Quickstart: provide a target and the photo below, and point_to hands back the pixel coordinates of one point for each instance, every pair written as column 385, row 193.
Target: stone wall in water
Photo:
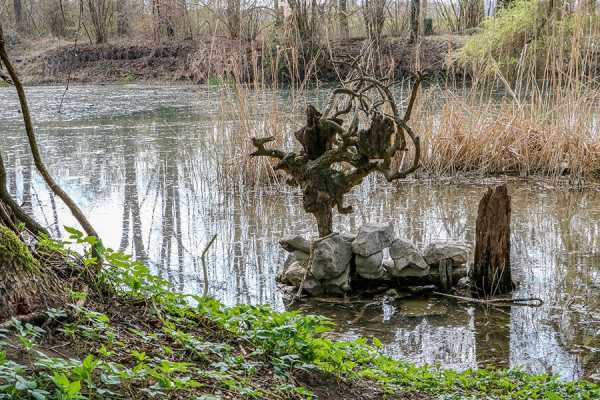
column 374, row 257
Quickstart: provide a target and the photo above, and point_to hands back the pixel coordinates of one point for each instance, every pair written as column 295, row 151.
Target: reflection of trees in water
column 492, row 336
column 132, row 224
column 167, row 189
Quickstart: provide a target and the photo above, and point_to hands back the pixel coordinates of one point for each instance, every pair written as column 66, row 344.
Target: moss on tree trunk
column 25, row 286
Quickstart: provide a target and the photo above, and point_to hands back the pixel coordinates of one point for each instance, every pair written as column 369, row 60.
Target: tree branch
column 41, row 167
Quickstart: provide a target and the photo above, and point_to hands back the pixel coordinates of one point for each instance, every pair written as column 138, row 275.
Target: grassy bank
column 142, row 340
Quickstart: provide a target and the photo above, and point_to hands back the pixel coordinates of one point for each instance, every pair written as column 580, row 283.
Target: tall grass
column 256, row 109
column 536, row 115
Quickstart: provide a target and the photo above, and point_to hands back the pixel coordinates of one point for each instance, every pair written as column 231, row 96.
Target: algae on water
column 13, row 250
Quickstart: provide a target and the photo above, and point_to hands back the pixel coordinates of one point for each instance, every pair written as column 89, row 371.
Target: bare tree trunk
column 374, row 19
column 100, row 12
column 7, row 199
column 422, row 16
column 344, row 29
column 324, row 218
column 415, row 12
column 234, row 22
column 122, row 18
column 18, row 13
column 491, row 271
column 314, row 17
column 472, row 12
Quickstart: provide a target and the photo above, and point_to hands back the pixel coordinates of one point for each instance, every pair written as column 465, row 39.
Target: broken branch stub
column 336, row 155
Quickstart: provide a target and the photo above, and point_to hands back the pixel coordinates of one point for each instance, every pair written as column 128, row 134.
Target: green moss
column 14, row 250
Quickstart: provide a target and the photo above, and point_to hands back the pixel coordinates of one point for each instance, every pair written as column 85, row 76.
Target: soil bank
column 207, row 61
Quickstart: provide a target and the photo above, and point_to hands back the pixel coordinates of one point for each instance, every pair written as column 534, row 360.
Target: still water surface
column 132, row 157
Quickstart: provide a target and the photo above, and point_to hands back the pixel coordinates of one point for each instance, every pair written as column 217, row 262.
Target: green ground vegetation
column 144, row 340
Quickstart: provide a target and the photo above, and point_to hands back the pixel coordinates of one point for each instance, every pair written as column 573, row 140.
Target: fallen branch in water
column 363, row 309
column 537, row 302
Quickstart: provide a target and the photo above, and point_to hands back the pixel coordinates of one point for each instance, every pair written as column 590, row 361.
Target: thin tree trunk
column 35, row 151
column 277, row 12
column 415, row 11
column 344, row 29
column 7, row 199
column 18, row 12
column 314, row 18
column 233, row 19
column 122, row 18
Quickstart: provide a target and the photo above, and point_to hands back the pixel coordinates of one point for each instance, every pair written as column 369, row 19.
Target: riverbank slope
column 209, row 61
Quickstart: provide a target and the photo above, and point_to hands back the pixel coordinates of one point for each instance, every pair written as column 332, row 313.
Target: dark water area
column 133, row 158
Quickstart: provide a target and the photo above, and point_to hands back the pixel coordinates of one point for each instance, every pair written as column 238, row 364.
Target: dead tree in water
column 337, row 155
column 492, row 244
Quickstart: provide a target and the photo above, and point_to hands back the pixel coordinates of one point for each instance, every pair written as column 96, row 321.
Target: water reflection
column 133, row 160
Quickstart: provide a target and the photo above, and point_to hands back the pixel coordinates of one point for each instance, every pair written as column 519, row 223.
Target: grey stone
column 338, row 285
column 457, row 273
column 349, row 237
column 387, row 263
column 312, row 287
column 408, row 260
column 295, row 274
column 411, row 271
column 288, row 290
column 370, row 267
column 331, row 256
column 296, row 255
column 463, row 287
column 372, row 238
column 295, row 242
column 280, row 277
column 456, row 251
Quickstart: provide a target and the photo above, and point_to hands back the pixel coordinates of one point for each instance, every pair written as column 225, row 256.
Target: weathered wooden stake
column 445, row 271
column 491, row 271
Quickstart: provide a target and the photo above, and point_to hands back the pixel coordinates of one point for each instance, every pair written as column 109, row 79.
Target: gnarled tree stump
column 491, row 272
column 336, row 155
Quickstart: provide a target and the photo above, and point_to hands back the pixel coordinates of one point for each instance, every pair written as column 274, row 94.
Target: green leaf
column 377, row 342
column 100, row 247
column 76, row 234
column 553, row 396
column 74, row 388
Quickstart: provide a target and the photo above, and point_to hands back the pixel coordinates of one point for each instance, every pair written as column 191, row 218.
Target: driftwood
column 331, row 137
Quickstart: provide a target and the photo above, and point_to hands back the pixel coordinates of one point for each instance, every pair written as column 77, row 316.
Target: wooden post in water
column 445, row 271
column 491, row 271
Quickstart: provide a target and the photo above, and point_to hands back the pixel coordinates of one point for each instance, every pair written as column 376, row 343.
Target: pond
column 136, row 160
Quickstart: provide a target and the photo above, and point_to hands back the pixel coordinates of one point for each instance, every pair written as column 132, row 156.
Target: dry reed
column 544, row 122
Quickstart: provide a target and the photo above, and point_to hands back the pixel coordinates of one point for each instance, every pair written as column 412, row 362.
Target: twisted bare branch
column 333, row 138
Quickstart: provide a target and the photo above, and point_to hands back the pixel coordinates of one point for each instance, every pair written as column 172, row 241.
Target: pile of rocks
column 373, row 256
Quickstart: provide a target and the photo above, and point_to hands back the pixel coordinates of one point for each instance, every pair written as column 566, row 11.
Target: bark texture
column 491, row 272
column 25, row 286
column 331, row 138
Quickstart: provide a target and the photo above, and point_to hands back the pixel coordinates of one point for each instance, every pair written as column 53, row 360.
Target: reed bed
column 540, row 117
column 550, row 135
